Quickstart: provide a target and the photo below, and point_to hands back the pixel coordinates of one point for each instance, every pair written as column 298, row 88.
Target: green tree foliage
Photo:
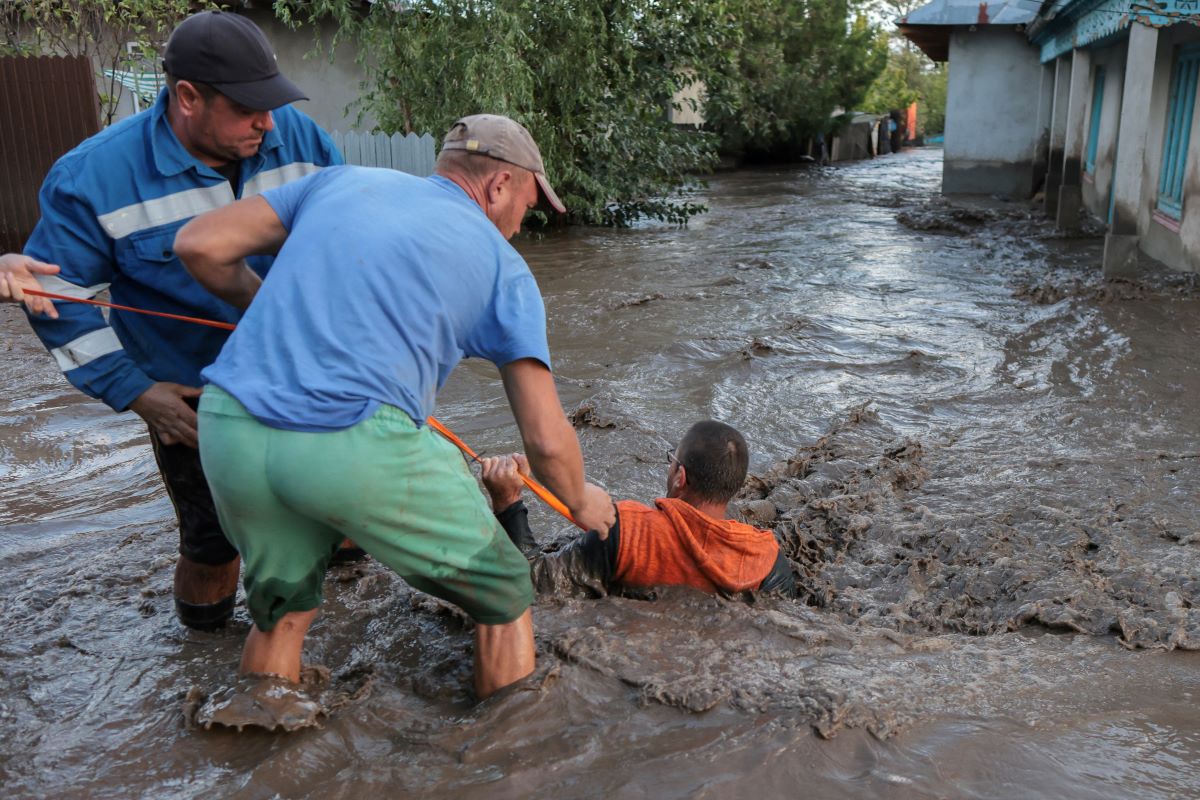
column 593, row 81
column 796, row 62
column 909, row 77
column 895, row 88
column 931, row 106
column 115, row 34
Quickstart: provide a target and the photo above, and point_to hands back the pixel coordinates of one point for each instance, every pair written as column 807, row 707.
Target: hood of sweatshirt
column 674, row 543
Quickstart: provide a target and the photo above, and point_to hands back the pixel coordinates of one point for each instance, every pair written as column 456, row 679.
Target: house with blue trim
column 1090, row 102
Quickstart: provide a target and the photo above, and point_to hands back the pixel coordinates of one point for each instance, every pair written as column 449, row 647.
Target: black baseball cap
column 229, row 52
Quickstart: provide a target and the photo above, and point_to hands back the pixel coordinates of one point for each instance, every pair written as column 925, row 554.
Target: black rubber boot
column 205, row 616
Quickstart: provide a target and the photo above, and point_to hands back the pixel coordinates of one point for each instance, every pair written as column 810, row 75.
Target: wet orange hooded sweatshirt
column 675, row 544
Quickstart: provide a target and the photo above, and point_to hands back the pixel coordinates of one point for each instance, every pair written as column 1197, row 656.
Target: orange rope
column 534, row 486
column 212, row 323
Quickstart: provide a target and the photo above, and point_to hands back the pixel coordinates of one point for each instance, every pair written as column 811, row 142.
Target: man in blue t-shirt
column 312, row 426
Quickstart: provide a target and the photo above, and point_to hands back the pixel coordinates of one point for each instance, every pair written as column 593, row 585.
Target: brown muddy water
column 982, row 459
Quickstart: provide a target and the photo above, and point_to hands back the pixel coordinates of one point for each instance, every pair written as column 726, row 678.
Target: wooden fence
column 406, row 152
column 47, row 106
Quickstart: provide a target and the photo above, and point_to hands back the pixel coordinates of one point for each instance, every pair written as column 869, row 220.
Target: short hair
column 716, row 458
column 206, row 91
column 476, row 165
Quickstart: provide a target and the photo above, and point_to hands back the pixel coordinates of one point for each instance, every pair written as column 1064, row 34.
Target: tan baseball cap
column 505, row 139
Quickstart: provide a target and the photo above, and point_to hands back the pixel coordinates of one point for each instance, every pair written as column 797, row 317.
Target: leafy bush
column 116, row 34
column 593, row 81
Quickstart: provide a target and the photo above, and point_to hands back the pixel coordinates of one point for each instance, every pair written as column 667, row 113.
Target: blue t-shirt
column 385, row 282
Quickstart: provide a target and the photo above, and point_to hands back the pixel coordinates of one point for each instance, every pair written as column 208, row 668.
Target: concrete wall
column 1045, row 110
column 1179, row 249
column 690, row 100
column 1098, row 183
column 992, row 126
column 331, row 87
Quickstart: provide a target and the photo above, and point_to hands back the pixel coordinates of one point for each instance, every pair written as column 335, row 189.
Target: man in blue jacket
column 220, row 131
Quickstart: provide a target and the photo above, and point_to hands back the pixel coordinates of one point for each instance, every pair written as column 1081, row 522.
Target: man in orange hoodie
column 685, row 539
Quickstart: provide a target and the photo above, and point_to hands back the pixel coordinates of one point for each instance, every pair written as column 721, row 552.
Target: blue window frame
column 1094, row 127
column 1179, row 128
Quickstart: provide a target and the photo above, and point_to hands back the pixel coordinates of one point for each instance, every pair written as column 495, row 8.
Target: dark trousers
column 200, row 536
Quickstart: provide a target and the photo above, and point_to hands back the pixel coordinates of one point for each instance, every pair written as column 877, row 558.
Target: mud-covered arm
column 584, row 567
column 781, row 579
column 515, row 521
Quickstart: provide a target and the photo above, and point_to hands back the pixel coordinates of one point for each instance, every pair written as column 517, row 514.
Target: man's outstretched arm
column 18, row 273
column 551, row 443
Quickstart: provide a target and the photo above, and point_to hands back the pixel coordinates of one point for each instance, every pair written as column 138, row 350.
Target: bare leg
column 201, row 584
column 277, row 651
column 503, row 654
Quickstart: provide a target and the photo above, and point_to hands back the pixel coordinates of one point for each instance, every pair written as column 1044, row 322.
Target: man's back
column 675, row 544
column 384, row 283
column 671, row 544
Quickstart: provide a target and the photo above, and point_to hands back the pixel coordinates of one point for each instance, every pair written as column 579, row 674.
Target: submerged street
column 982, row 459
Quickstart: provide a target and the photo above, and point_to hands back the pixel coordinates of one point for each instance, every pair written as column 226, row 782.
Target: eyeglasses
column 672, row 460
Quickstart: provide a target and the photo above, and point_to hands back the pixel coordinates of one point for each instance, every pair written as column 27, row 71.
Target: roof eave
column 932, row 40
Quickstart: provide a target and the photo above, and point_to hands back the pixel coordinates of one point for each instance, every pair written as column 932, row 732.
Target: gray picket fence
column 406, row 152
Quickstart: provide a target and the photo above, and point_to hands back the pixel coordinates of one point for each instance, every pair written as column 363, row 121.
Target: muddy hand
column 18, row 273
column 172, row 420
column 502, row 479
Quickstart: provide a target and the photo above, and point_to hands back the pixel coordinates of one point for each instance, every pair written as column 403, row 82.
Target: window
column 1094, row 126
column 1179, row 127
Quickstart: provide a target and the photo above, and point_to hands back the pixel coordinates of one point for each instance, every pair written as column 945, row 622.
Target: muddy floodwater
column 982, row 459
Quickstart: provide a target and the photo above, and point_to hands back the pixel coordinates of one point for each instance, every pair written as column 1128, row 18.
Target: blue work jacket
column 110, row 211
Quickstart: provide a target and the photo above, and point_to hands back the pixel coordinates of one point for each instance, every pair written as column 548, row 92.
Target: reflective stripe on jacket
column 110, row 211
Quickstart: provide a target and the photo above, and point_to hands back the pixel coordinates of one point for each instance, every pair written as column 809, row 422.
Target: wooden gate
column 47, row 106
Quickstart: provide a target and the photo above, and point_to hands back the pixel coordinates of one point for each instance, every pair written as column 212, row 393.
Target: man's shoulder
column 634, row 515
column 695, row 518
column 299, row 134
column 293, row 118
column 634, row 507
column 118, row 142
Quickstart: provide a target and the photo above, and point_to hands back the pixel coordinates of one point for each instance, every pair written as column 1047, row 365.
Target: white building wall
column 687, row 105
column 992, row 128
column 1159, row 239
column 1097, row 184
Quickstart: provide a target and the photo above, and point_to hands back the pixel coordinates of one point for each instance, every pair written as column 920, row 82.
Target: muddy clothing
column 671, row 544
column 200, row 536
column 405, row 495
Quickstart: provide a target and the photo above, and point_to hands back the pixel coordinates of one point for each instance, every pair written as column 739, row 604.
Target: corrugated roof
column 929, row 26
column 974, row 12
